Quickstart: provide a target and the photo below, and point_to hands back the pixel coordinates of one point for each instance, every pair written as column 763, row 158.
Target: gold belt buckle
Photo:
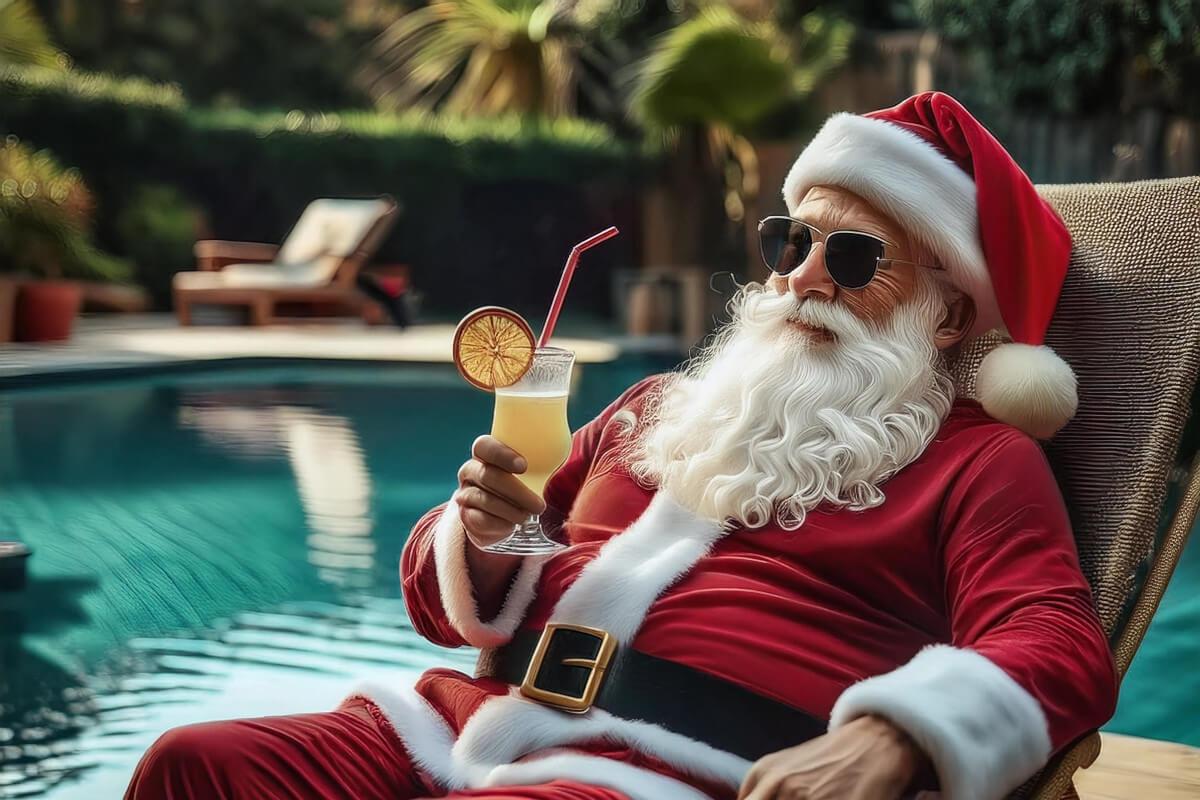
column 597, row 664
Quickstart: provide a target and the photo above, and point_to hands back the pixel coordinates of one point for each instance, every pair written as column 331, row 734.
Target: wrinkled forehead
column 831, row 208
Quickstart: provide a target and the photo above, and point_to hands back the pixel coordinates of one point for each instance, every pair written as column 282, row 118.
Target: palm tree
column 486, row 57
column 23, row 38
column 713, row 77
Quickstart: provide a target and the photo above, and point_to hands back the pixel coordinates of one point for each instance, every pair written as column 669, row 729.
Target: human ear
column 957, row 322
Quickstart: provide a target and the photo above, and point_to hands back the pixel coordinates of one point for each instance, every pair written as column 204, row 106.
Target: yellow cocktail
column 531, row 418
column 535, row 425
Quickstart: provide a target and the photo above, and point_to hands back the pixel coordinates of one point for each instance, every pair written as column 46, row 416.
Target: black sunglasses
column 852, row 258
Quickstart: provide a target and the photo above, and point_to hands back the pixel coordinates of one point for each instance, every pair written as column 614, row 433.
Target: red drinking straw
column 565, row 280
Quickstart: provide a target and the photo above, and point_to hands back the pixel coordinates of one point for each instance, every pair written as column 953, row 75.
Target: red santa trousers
column 347, row 754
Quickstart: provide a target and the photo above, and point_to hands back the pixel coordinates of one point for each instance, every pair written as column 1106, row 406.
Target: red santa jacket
column 957, row 609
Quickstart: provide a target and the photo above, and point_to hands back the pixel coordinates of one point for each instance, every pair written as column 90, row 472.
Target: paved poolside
column 138, row 340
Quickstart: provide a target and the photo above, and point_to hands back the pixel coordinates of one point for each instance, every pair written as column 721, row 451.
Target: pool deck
column 144, row 340
column 1141, row 769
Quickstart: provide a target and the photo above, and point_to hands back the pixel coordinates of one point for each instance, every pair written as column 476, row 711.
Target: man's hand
column 491, row 499
column 866, row 759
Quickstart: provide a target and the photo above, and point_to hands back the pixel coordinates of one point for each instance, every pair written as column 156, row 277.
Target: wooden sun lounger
column 229, row 273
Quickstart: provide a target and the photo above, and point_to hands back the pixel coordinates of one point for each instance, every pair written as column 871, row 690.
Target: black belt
column 573, row 668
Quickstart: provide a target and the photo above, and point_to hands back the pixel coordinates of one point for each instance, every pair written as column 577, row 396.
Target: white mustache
column 814, row 313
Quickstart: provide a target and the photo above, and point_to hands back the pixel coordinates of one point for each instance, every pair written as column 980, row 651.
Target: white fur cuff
column 458, row 597
column 984, row 733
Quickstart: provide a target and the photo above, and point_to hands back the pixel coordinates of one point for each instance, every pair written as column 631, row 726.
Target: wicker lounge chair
column 317, row 265
column 1129, row 324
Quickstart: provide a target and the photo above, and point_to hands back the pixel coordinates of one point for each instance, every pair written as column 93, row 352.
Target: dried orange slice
column 493, row 347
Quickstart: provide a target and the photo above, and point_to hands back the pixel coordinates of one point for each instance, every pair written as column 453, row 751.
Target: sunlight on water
column 203, row 554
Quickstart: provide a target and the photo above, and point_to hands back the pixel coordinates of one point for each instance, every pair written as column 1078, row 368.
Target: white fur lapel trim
column 617, row 587
column 634, row 782
column 506, row 728
column 425, row 735
column 613, row 591
column 454, row 585
column 984, row 732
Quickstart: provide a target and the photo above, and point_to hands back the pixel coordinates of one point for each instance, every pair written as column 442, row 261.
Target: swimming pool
column 223, row 543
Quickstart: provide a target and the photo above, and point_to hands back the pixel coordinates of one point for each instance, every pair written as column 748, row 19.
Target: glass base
column 527, row 539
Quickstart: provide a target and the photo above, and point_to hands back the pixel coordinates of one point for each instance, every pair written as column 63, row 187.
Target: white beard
column 767, row 424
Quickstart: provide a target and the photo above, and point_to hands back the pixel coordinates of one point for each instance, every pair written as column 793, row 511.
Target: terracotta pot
column 8, row 309
column 46, row 310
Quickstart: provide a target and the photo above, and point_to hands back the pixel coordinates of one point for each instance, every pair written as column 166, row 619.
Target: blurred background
column 509, row 129
column 215, row 510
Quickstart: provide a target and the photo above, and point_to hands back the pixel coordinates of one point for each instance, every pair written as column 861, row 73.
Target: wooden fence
column 1147, row 144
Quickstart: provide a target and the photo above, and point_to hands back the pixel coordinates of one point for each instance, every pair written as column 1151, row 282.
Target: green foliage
column 135, row 122
column 90, row 88
column 1078, row 56
column 485, row 57
column 157, row 229
column 1168, row 58
column 273, row 53
column 23, row 38
column 875, row 15
column 253, row 173
column 718, row 75
column 45, row 215
column 720, row 69
column 714, row 68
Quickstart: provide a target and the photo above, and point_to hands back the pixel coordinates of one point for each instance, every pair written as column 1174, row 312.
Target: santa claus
column 799, row 568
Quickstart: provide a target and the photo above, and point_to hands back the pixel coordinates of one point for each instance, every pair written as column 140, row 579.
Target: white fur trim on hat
column 983, row 731
column 1027, row 386
column 906, row 178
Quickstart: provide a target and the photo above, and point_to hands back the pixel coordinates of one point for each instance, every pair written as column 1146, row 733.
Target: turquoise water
column 217, row 544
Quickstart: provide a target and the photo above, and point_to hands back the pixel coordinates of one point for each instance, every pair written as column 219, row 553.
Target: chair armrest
column 214, row 254
column 1056, row 780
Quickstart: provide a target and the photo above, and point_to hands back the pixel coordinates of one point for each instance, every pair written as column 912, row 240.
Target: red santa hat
column 934, row 169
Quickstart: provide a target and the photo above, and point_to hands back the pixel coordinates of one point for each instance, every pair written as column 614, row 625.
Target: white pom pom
column 1027, row 386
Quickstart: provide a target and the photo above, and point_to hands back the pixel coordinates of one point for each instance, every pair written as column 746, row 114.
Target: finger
column 759, row 771
column 482, row 528
column 475, row 497
column 765, row 788
column 751, row 780
column 491, row 450
column 796, row 787
column 505, row 484
column 880, row 786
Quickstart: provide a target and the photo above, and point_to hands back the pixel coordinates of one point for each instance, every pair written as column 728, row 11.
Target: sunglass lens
column 852, row 258
column 784, row 243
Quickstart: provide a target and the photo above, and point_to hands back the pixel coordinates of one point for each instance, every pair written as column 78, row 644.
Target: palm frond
column 713, row 69
column 23, row 37
column 481, row 57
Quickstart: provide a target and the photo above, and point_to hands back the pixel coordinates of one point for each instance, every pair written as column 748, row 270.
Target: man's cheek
column 878, row 299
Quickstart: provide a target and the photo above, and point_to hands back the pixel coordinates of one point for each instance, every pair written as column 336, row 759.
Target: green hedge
column 490, row 206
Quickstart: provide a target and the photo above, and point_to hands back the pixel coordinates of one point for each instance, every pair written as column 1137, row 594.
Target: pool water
column 213, row 544
column 224, row 543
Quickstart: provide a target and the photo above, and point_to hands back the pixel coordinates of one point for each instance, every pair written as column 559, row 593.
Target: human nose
column 810, row 279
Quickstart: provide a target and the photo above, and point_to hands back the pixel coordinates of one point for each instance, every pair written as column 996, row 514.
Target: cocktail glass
column 531, row 418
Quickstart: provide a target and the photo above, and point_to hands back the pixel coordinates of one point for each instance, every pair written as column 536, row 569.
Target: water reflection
column 327, row 462
column 205, row 553
column 295, row 658
column 211, row 546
